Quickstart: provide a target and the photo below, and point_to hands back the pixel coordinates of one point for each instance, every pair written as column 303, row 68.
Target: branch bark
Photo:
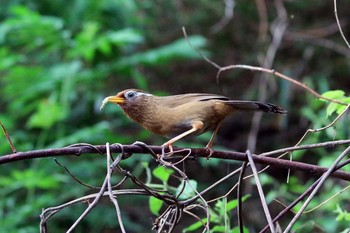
column 78, row 150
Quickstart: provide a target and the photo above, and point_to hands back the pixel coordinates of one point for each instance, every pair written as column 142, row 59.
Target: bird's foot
column 171, row 151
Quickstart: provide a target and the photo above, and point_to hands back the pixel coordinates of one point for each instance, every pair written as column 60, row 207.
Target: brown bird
column 178, row 116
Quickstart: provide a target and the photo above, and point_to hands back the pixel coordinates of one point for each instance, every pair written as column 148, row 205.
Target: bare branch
column 261, row 192
column 110, row 169
column 338, row 23
column 195, row 153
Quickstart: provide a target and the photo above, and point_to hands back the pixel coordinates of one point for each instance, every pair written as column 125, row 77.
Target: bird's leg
column 210, row 143
column 197, row 125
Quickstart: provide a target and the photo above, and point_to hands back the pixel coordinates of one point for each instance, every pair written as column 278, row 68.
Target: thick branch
column 195, row 152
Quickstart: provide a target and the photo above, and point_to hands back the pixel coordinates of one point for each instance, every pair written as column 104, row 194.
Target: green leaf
column 219, row 229
column 47, row 114
column 336, row 94
column 233, row 203
column 195, row 226
column 347, row 217
column 332, row 107
column 346, row 100
column 125, row 36
column 163, row 173
column 178, row 49
column 30, row 178
column 236, row 230
column 187, row 191
column 104, row 45
column 155, row 205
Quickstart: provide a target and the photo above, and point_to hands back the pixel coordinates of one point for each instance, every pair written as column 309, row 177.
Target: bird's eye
column 130, row 95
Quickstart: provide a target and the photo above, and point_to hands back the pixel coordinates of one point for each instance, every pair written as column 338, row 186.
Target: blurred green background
column 59, row 59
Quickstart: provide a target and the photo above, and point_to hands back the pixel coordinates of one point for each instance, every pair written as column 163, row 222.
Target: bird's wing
column 177, row 100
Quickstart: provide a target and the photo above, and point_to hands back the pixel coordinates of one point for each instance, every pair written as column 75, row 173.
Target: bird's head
column 126, row 98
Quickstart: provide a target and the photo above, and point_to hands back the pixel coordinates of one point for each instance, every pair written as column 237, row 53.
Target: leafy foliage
column 335, row 107
column 59, row 60
column 54, row 73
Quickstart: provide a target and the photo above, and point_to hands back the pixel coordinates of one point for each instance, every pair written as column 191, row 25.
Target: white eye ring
column 130, row 95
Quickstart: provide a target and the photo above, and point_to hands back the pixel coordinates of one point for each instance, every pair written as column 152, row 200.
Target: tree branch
column 194, row 153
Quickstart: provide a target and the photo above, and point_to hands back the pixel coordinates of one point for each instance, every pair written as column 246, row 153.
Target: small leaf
column 336, row 94
column 233, row 204
column 163, row 173
column 219, row 229
column 104, row 45
column 332, row 107
column 236, row 230
column 196, row 225
column 340, row 109
column 346, row 100
column 347, row 217
column 155, row 205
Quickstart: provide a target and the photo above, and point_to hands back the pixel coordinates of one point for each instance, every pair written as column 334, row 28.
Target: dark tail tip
column 267, row 107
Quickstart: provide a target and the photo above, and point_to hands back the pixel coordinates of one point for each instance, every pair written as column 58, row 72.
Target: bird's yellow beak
column 112, row 99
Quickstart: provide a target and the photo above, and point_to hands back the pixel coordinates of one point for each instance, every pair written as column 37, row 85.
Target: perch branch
column 194, row 153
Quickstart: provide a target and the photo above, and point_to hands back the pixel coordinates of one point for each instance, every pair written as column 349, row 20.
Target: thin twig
column 321, row 204
column 198, row 195
column 47, row 213
column 338, row 23
column 239, row 196
column 278, row 74
column 306, row 147
column 109, row 184
column 195, row 216
column 74, row 177
column 8, row 138
column 318, row 186
column 327, row 200
column 214, row 185
column 198, row 51
column 325, row 127
column 90, row 207
column 261, row 192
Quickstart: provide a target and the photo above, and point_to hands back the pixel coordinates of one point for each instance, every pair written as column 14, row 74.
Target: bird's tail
column 256, row 106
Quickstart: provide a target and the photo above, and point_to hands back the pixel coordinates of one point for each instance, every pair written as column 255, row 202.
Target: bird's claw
column 171, row 151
